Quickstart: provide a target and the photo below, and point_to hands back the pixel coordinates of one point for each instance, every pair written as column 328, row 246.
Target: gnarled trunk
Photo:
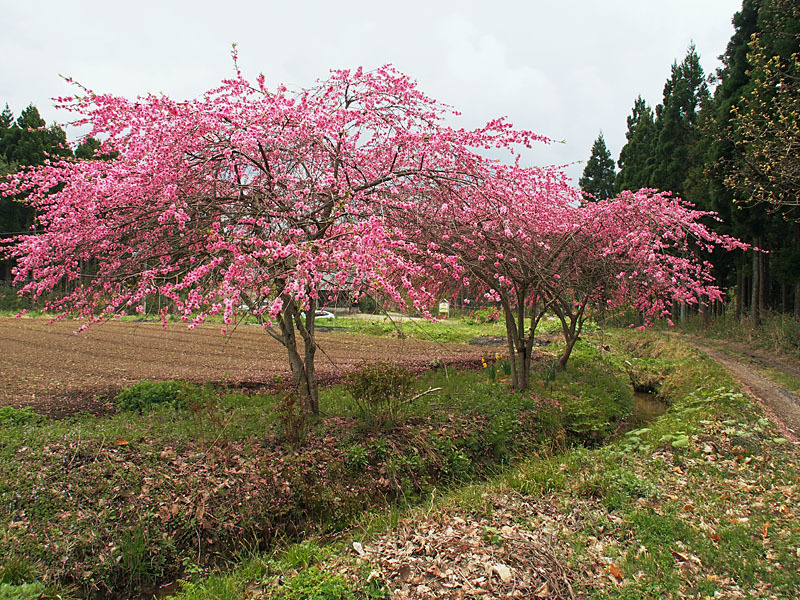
column 302, row 367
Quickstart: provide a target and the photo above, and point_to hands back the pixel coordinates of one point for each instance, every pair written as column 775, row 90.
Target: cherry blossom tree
column 501, row 238
column 642, row 250
column 245, row 199
column 521, row 238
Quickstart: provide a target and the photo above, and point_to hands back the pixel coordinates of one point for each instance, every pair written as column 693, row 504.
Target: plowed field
column 59, row 372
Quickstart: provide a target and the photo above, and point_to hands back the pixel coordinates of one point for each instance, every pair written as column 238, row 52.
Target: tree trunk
column 784, row 296
column 302, row 368
column 754, row 291
column 564, row 358
column 797, row 300
column 739, row 291
column 763, row 282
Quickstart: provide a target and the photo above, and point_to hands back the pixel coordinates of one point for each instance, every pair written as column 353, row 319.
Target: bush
column 381, row 391
column 146, row 395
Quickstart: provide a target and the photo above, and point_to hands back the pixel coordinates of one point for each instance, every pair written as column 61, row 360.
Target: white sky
column 564, row 68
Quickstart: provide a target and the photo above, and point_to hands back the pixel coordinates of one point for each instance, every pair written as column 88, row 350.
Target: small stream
column 646, row 408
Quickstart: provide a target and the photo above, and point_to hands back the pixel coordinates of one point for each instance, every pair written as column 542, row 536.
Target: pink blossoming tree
column 523, row 239
column 246, row 197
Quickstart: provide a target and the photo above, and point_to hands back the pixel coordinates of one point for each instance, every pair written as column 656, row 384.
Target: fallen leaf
column 543, row 591
column 615, row 572
column 503, row 572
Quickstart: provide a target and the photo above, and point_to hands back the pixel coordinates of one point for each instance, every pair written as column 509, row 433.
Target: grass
column 176, row 485
column 701, row 501
column 778, row 333
column 699, row 504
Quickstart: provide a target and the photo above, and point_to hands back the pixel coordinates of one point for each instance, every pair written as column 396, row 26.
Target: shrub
column 146, row 395
column 381, row 391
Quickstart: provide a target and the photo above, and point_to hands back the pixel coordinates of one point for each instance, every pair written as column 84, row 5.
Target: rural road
column 743, row 364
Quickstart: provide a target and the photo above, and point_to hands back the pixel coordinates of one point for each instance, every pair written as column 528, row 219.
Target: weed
column 381, row 391
column 314, row 584
column 144, row 396
column 293, row 418
column 304, row 555
column 356, row 457
column 10, row 416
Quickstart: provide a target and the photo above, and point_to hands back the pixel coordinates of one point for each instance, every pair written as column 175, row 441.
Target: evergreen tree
column 28, row 141
column 636, row 157
column 87, row 149
column 598, row 176
column 676, row 124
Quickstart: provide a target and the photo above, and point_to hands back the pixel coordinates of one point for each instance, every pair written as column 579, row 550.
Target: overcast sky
column 565, row 69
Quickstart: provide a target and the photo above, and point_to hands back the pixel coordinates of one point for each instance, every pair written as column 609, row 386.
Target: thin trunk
column 707, row 313
column 754, row 290
column 797, row 300
column 302, row 367
column 763, row 282
column 739, row 291
column 784, row 296
column 513, row 343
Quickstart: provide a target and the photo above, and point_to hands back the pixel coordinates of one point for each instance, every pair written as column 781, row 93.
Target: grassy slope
column 704, row 501
column 702, row 504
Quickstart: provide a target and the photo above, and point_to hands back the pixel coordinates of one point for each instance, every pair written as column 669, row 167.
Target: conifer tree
column 676, row 124
column 598, row 176
column 636, row 156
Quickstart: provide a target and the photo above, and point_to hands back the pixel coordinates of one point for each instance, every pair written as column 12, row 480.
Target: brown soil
column 59, row 372
column 782, row 404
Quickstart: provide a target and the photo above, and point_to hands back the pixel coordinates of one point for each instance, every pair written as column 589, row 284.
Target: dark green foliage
column 636, row 157
column 87, row 149
column 147, row 395
column 28, row 141
column 676, row 124
column 598, row 176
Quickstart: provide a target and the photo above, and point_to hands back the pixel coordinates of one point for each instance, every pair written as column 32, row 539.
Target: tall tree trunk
column 740, row 291
column 302, row 367
column 754, row 290
column 797, row 300
column 763, row 281
column 784, row 296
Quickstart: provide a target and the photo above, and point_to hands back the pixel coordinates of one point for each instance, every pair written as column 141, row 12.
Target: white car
column 324, row 314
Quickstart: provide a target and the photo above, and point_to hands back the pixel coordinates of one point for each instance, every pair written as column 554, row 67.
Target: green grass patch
column 701, row 503
column 187, row 478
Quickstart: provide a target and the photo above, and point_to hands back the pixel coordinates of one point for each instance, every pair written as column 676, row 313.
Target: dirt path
column 741, row 362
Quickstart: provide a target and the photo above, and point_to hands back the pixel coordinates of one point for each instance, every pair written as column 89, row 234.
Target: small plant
column 144, row 396
column 380, row 449
column 492, row 536
column 356, row 458
column 294, row 420
column 304, row 555
column 314, row 584
column 381, row 391
column 490, row 314
column 16, row 570
column 10, row 416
